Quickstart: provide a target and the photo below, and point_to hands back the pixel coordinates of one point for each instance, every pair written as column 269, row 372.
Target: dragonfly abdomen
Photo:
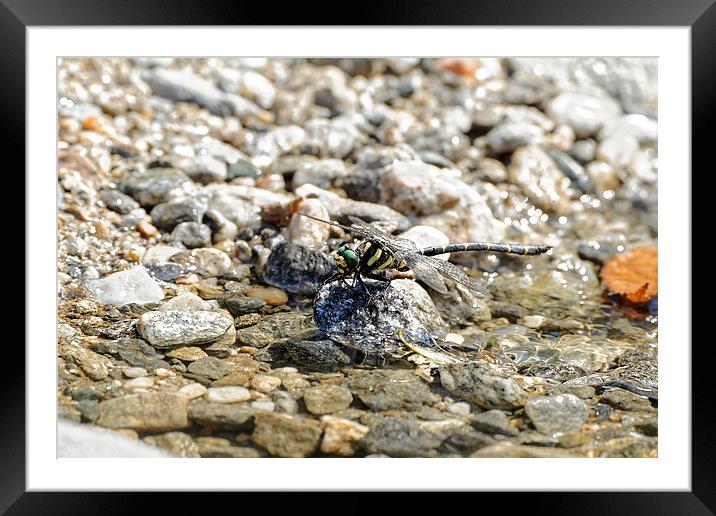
column 525, row 250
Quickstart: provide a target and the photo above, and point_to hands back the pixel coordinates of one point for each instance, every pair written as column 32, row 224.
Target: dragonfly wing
column 424, row 272
column 449, row 270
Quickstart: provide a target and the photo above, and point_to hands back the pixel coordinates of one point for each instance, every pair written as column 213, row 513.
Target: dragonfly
column 380, row 252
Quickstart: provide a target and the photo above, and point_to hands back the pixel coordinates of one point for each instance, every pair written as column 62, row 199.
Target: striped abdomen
column 525, row 250
column 377, row 258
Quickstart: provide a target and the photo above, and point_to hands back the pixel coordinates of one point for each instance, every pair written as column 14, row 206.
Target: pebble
column 388, row 389
column 341, row 436
column 205, row 169
column 271, row 295
column 264, row 405
column 400, row 437
column 178, row 328
column 192, row 391
column 187, row 354
column 178, row 444
column 493, row 422
column 131, row 286
column 222, row 416
column 560, row 413
column 427, row 236
column 584, row 113
column 326, row 399
column 94, row 365
column 141, row 382
column 159, row 254
column 229, row 394
column 476, row 384
column 540, row 179
column 156, row 185
column 459, row 408
column 145, row 412
column 264, row 383
column 168, row 215
column 285, row 436
column 192, row 234
column 210, row 367
column 238, row 306
column 118, row 201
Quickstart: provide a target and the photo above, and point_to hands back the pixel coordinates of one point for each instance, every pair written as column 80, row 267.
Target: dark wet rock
column 323, row 355
column 222, row 416
column 221, row 227
column 375, row 325
column 559, row 371
column 477, row 384
column 389, row 389
column 169, row 215
column 118, row 201
column 540, row 179
column 151, row 412
column 192, row 234
column 178, row 444
column 298, row 269
column 166, row 271
column 326, row 399
column 238, row 306
column 205, row 169
column 625, row 400
column 69, row 413
column 561, row 413
column 89, row 410
column 493, row 422
column 271, row 328
column 135, row 352
column 210, row 367
column 596, row 252
column 400, row 437
column 571, row 169
column 156, row 185
column 286, row 436
column 177, row 328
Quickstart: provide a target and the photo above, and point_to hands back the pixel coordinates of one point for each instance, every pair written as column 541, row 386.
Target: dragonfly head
column 346, row 259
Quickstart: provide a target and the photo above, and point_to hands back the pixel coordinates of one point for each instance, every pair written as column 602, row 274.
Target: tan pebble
column 140, row 382
column 228, row 246
column 162, row 372
column 187, row 279
column 247, row 349
column 264, row 383
column 187, row 354
column 192, row 391
column 146, row 229
column 272, row 295
column 341, row 436
column 101, row 230
column 233, row 378
column 213, row 441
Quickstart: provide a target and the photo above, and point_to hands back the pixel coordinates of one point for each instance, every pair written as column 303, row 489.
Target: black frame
column 700, row 15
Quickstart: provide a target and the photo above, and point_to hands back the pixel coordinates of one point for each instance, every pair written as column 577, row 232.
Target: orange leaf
column 634, row 274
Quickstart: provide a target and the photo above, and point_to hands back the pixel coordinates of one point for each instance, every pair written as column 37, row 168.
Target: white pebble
column 454, row 338
column 162, row 372
column 134, row 372
column 230, row 394
column 268, row 406
column 192, row 391
column 139, row 383
column 459, row 408
column 533, row 321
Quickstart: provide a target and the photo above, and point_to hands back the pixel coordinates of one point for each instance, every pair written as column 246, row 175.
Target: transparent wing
column 427, row 268
column 398, row 246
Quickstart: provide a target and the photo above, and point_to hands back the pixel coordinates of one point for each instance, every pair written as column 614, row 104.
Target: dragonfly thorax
column 347, row 259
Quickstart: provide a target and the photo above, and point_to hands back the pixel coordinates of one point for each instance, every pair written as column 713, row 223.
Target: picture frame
column 16, row 16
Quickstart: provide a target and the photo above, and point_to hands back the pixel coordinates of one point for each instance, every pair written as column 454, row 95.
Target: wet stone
column 167, row 216
column 192, row 234
column 187, row 301
column 156, row 185
column 117, row 201
column 135, row 352
column 210, row 367
column 178, row 444
column 326, row 399
column 285, row 436
column 341, row 436
column 238, row 306
column 556, row 371
column 375, row 325
column 177, row 328
column 187, row 354
column 270, row 295
column 493, row 422
column 298, row 269
column 477, row 384
column 322, row 355
column 228, row 394
column 271, row 328
column 89, row 410
column 625, row 400
column 389, row 389
column 400, row 437
column 222, row 416
column 560, row 413
column 85, row 393
column 584, row 392
column 152, row 412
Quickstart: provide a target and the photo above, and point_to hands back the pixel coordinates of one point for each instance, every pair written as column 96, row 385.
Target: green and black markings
column 380, row 252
